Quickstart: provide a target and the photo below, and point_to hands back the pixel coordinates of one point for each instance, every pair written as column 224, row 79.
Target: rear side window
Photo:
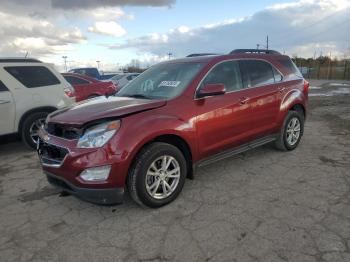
column 290, row 66
column 76, row 80
column 257, row 73
column 33, row 76
column 3, row 87
column 227, row 73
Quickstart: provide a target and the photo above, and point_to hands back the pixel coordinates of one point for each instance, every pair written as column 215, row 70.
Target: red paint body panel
column 207, row 125
column 91, row 89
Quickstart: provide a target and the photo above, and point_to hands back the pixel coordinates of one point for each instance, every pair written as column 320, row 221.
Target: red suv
column 86, row 87
column 176, row 116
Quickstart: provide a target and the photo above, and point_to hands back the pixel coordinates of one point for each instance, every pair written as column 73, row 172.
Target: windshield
column 162, row 81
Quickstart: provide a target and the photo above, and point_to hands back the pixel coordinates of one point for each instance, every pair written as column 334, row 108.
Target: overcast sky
column 117, row 31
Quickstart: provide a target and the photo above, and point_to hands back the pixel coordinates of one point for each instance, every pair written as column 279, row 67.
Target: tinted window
column 227, row 73
column 33, row 76
column 76, row 80
column 257, row 73
column 3, row 87
column 290, row 66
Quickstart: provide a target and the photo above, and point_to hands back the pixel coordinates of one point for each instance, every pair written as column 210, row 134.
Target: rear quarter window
column 3, row 88
column 288, row 64
column 33, row 76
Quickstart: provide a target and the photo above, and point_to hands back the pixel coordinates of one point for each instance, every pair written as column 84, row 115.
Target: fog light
column 100, row 173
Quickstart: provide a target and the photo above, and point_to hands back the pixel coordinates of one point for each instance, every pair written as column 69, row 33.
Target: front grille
column 51, row 155
column 63, row 131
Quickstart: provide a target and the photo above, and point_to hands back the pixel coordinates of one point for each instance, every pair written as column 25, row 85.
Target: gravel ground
column 263, row 205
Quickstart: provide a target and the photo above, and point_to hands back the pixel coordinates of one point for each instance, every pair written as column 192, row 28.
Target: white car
column 29, row 91
column 122, row 80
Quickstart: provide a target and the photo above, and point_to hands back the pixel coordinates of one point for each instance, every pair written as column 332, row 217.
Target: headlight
column 98, row 135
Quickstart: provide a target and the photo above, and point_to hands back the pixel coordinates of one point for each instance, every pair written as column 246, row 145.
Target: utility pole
column 267, row 42
column 98, row 64
column 257, row 46
column 65, row 62
column 169, row 55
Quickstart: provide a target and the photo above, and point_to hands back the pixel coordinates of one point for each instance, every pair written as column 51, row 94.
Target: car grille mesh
column 63, row 131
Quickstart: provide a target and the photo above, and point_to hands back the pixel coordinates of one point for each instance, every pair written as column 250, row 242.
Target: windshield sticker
column 169, row 84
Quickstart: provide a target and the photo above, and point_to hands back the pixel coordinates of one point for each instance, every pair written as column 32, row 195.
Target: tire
column 33, row 119
column 283, row 142
column 140, row 184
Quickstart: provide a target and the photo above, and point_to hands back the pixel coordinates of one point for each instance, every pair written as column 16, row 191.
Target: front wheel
column 157, row 175
column 291, row 132
column 30, row 128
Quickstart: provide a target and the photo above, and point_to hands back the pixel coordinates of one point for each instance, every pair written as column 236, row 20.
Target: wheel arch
column 176, row 141
column 47, row 109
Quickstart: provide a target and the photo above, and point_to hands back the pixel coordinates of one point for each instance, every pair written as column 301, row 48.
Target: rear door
column 7, row 110
column 261, row 82
column 222, row 121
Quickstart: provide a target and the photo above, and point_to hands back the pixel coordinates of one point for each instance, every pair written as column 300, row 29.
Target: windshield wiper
column 137, row 96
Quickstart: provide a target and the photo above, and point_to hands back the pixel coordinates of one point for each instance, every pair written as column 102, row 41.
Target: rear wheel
column 291, row 132
column 158, row 175
column 30, row 128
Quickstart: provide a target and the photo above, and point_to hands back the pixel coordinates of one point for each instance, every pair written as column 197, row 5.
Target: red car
column 87, row 87
column 174, row 117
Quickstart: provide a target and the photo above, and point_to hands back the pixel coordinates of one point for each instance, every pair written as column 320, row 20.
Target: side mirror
column 211, row 90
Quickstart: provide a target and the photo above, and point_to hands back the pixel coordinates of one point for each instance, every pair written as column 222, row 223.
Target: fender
column 135, row 135
column 292, row 98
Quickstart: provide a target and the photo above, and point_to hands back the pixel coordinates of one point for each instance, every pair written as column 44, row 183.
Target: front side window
column 162, row 81
column 227, row 73
column 257, row 73
column 76, row 80
column 33, row 76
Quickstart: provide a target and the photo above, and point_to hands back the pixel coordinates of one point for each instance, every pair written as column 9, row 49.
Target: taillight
column 69, row 91
column 306, row 87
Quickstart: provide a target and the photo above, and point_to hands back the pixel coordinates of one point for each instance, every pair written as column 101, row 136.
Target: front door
column 222, row 121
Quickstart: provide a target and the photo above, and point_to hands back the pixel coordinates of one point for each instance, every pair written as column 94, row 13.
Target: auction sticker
column 169, row 84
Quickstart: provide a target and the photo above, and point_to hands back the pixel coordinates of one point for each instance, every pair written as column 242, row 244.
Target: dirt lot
column 263, row 205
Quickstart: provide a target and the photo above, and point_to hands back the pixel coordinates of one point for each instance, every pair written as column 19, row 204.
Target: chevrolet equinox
column 176, row 116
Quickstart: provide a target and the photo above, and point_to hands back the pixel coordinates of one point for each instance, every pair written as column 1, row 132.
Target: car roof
column 18, row 60
column 217, row 58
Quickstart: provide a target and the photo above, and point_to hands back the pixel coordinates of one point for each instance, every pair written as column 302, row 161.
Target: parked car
column 86, row 87
column 29, row 91
column 176, row 116
column 122, row 80
column 92, row 72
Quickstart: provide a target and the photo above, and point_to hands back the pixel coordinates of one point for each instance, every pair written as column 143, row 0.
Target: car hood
column 102, row 107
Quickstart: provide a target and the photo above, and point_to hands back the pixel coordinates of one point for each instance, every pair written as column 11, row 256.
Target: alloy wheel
column 162, row 177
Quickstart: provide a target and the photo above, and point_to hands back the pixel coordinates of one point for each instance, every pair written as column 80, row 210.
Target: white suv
column 29, row 91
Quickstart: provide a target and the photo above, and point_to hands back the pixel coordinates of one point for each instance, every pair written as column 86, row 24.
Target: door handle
column 243, row 100
column 4, row 102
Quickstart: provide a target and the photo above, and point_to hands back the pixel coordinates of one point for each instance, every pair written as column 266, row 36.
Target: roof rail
column 200, row 54
column 19, row 60
column 254, row 51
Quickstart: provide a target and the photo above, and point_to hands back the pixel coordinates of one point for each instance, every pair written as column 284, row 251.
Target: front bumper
column 63, row 162
column 104, row 196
